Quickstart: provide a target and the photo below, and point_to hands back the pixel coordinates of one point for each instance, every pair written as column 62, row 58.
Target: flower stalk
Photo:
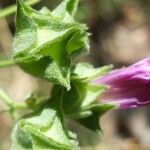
column 7, row 63
column 12, row 9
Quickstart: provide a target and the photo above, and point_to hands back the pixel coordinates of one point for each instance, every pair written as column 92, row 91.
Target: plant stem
column 10, row 103
column 6, row 63
column 6, row 99
column 20, row 105
column 12, row 9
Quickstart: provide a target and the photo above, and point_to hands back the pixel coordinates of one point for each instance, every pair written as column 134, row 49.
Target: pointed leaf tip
column 72, row 6
column 46, row 41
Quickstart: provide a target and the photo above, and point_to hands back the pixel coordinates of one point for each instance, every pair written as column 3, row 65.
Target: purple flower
column 128, row 87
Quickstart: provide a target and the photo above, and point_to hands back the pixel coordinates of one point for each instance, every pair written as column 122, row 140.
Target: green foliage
column 45, row 44
column 44, row 129
column 46, row 41
column 82, row 97
column 88, row 72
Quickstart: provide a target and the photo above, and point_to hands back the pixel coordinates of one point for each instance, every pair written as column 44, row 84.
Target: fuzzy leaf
column 66, row 8
column 43, row 129
column 82, row 98
column 87, row 71
column 80, row 103
column 81, row 95
column 92, row 122
column 46, row 41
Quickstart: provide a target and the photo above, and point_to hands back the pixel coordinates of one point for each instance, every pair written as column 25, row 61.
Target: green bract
column 44, row 46
column 88, row 72
column 46, row 41
column 44, row 129
column 82, row 98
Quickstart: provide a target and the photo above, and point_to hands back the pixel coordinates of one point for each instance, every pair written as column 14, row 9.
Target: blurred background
column 120, row 36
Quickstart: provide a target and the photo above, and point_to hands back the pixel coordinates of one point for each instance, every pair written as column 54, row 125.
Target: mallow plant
column 45, row 45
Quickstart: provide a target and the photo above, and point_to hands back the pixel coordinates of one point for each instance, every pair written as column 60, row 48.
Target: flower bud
column 128, row 87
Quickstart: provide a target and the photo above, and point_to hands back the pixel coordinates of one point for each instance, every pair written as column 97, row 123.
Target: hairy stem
column 10, row 103
column 6, row 99
column 12, row 9
column 6, row 63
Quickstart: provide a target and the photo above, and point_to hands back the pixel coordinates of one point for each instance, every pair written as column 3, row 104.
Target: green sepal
column 92, row 121
column 81, row 95
column 88, row 72
column 80, row 103
column 82, row 99
column 66, row 8
column 44, row 129
column 45, row 41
